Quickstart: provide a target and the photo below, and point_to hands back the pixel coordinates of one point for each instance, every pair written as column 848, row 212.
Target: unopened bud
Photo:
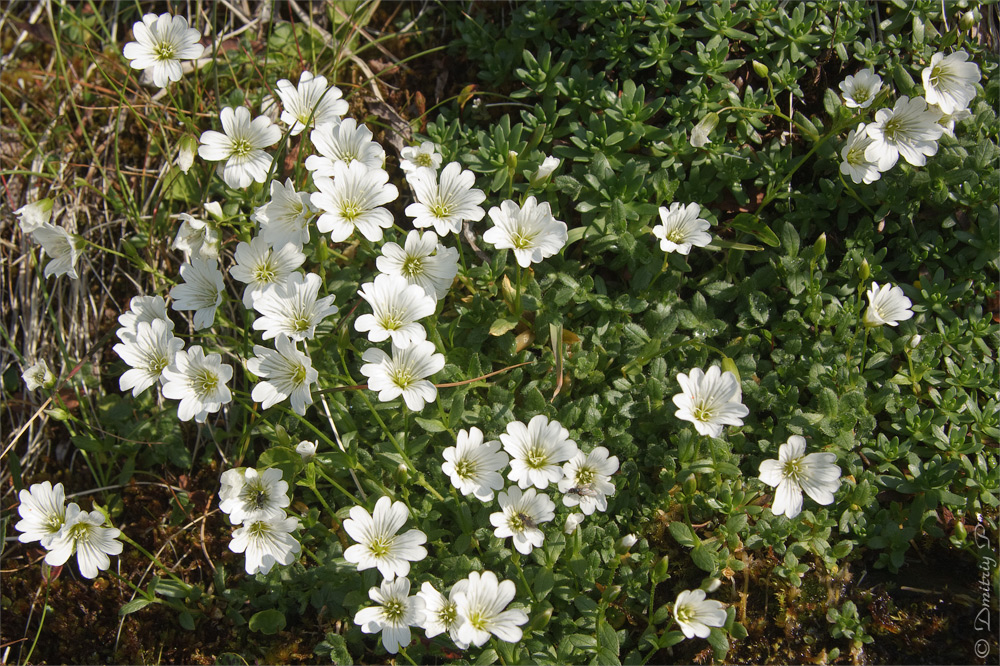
column 306, row 449
column 865, row 271
column 761, row 69
column 573, row 521
column 402, row 474
column 626, row 542
column 549, row 165
column 914, row 341
column 968, row 20
column 700, row 132
column 512, row 160
column 819, row 247
column 187, row 148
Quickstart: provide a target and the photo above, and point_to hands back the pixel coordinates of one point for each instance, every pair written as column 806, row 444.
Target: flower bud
column 306, row 449
column 914, row 341
column 819, row 247
column 626, row 542
column 865, row 271
column 187, row 147
column 512, row 160
column 401, row 475
column 573, row 521
column 549, row 165
column 214, row 208
column 760, row 68
column 714, row 585
column 700, row 132
column 968, row 20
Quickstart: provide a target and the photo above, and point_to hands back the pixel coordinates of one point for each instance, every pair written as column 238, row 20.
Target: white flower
column 199, row 382
column 537, row 450
column 354, row 199
column 699, row 133
column 573, row 521
column 909, row 129
column 285, row 218
column 34, row 215
column 546, row 169
column 949, row 81
column 258, row 265
column 187, row 148
column 143, row 309
column 249, row 495
column 481, row 606
column 445, row 203
column 710, row 400
column 84, row 533
column 794, row 471
column 473, row 465
column 42, row 511
column 587, row 480
column 424, row 155
column 161, row 43
column 196, row 238
column 38, row 376
column 63, row 247
column 241, row 146
column 149, row 351
column 343, row 142
column 292, row 308
column 947, row 120
column 403, row 373
column 311, row 104
column 395, row 614
column 201, row 291
column 379, row 545
column 681, row 228
column 396, row 305
column 861, row 89
column 530, row 231
column 856, row 164
column 627, row 542
column 886, row 305
column 266, row 542
column 289, row 373
column 520, row 515
column 695, row 614
column 422, row 261
column 306, row 449
column 441, row 614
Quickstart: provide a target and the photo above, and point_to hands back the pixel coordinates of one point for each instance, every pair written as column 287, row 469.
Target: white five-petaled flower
column 440, row 613
column 241, row 145
column 311, row 103
column 537, row 450
column 396, row 306
column 681, row 228
column 422, row 261
column 249, row 495
column 84, row 533
column 354, row 199
column 379, row 545
column 62, row 247
column 474, row 466
column 143, row 309
column 161, row 43
column 148, row 352
column 856, row 164
column 38, row 375
column 520, row 515
column 201, row 291
column 34, row 215
column 197, row 238
column 289, row 374
column 696, row 615
column 886, row 305
column 861, row 89
column 444, row 202
column 710, row 400
column 42, row 511
column 266, row 542
column 424, row 155
column 258, row 265
column 199, row 382
column 403, row 373
column 949, row 81
column 482, row 603
column 587, row 480
column 395, row 614
column 909, row 129
column 530, row 231
column 343, row 142
column 292, row 308
column 793, row 472
column 285, row 218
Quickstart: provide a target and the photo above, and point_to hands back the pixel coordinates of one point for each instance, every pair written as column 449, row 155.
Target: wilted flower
column 861, row 89
column 886, row 305
column 710, row 400
column 38, row 375
column 63, row 247
column 794, row 472
column 201, row 291
column 700, row 132
column 187, row 148
column 197, row 238
column 949, row 81
column 34, row 215
column 161, row 43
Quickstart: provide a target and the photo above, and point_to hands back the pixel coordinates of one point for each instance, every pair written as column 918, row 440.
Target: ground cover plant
column 606, row 332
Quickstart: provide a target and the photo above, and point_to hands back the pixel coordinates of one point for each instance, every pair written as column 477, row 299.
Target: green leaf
column 752, row 225
column 186, row 620
column 683, row 534
column 607, row 638
column 670, row 639
column 135, row 605
column 703, row 558
column 502, row 325
column 486, row 657
column 430, row 425
column 269, row 621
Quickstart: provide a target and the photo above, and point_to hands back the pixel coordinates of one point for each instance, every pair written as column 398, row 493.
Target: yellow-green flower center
column 413, row 266
column 165, row 51
column 424, row 159
column 205, row 382
column 240, row 147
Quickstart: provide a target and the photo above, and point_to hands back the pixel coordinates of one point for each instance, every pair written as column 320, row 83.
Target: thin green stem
column 516, row 559
column 152, row 558
column 344, row 491
column 41, row 623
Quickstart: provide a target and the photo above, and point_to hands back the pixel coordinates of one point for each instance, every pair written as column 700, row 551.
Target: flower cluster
column 256, row 500
column 65, row 531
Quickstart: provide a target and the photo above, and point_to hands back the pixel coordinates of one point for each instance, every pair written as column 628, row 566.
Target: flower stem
column 517, row 293
column 516, row 559
column 152, row 558
column 322, row 472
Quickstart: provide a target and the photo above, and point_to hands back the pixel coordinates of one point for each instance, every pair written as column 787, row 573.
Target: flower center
column 258, row 530
column 477, row 620
column 675, row 235
column 402, row 378
column 394, row 611
column 299, row 374
column 523, row 240
column 165, row 51
column 301, row 322
column 266, row 272
column 536, row 457
column 440, row 210
column 703, row 412
column 240, row 147
column 466, row 469
column 856, row 156
column 80, row 533
column 861, row 94
column 53, row 523
column 684, row 614
column 448, row 615
column 257, row 498
column 157, row 365
column 380, row 546
column 205, row 383
column 792, row 469
column 424, row 159
column 350, row 211
column 892, row 128
column 585, row 476
column 413, row 266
